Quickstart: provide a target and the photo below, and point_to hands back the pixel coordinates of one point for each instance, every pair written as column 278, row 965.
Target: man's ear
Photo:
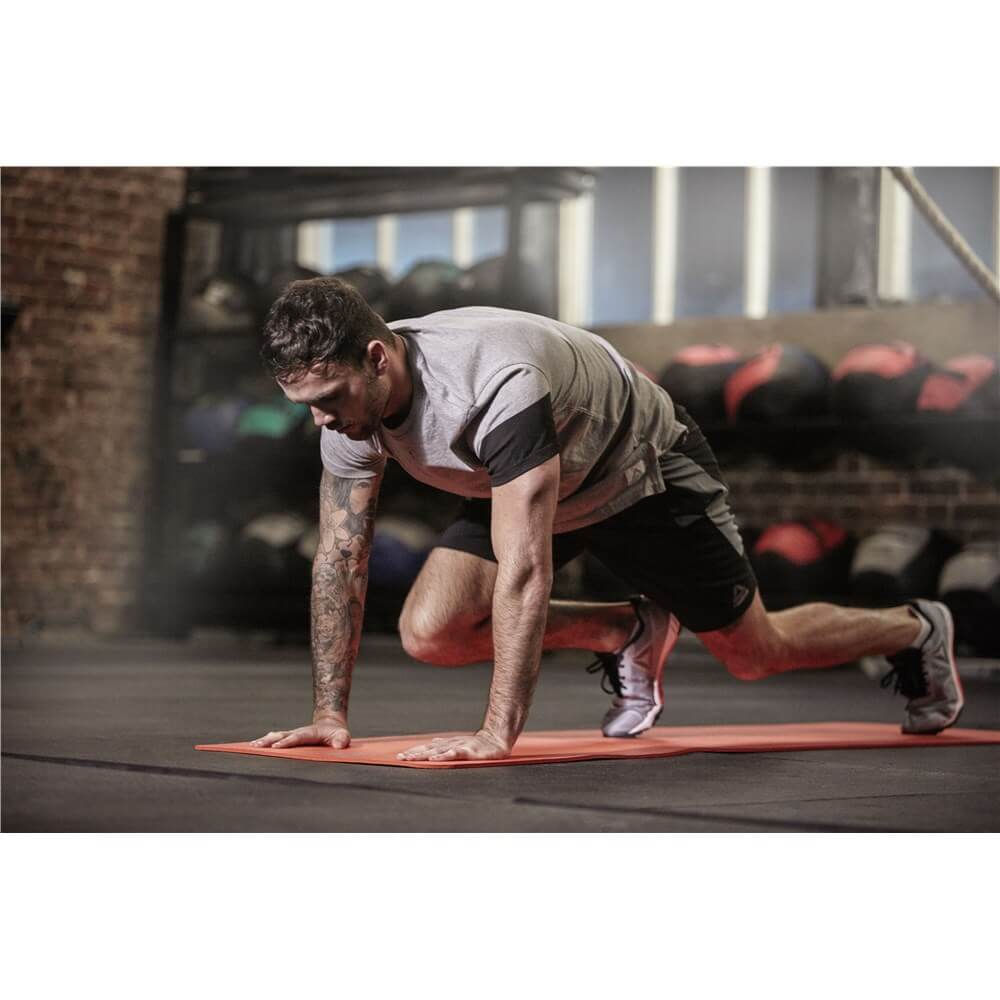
column 377, row 353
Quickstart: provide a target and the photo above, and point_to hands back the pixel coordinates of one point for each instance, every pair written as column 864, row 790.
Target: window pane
column 353, row 243
column 794, row 235
column 710, row 241
column 422, row 235
column 965, row 195
column 489, row 233
column 623, row 240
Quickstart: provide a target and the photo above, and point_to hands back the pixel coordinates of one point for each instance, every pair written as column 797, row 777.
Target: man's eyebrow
column 313, row 400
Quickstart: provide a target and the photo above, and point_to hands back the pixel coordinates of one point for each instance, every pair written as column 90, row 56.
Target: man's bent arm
column 523, row 510
column 339, row 585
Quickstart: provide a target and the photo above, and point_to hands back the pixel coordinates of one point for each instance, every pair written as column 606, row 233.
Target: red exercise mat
column 588, row 744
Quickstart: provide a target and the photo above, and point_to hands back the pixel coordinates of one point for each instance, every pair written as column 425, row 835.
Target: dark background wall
column 82, row 254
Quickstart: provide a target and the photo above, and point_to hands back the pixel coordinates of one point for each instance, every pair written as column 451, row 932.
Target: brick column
column 82, row 254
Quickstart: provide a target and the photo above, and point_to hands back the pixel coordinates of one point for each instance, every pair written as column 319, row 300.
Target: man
column 558, row 445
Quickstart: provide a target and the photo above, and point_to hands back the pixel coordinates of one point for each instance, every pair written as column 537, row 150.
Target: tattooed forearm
column 346, row 513
column 339, row 584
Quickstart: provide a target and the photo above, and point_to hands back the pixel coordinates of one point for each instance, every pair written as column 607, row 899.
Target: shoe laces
column 612, row 663
column 907, row 674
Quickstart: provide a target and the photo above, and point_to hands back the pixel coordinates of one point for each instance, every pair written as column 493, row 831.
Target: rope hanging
column 952, row 237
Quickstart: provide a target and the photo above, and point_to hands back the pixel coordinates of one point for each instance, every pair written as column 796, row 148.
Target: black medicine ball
column 696, row 376
column 778, row 383
column 879, row 380
column 898, row 563
column 966, row 389
column 223, row 303
column 797, row 561
column 281, row 279
column 372, row 282
column 967, row 385
column 265, row 558
column 429, row 286
column 970, row 586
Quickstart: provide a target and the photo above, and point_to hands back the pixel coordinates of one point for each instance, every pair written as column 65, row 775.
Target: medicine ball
column 308, row 543
column 879, row 380
column 204, row 550
column 779, row 383
column 399, row 547
column 799, row 561
column 429, row 286
column 372, row 282
column 223, row 303
column 272, row 420
column 695, row 377
column 281, row 279
column 968, row 385
column 898, row 563
column 482, row 284
column 301, row 557
column 265, row 558
column 210, row 424
column 970, row 586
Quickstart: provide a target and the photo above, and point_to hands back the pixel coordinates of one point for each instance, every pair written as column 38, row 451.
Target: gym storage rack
column 254, row 214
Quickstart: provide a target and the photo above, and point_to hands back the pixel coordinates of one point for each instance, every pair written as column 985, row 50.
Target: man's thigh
column 455, row 585
column 453, row 589
column 682, row 548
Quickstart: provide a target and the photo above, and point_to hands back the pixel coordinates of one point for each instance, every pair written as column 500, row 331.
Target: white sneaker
column 635, row 672
column 928, row 676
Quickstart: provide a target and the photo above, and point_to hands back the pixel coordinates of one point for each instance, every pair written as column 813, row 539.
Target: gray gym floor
column 100, row 736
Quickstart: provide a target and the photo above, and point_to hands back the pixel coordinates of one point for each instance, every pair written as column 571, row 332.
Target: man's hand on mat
column 475, row 746
column 331, row 732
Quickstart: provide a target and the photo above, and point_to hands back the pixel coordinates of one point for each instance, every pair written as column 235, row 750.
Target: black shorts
column 681, row 548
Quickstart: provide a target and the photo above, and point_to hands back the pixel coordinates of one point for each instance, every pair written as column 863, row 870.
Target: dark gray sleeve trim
column 520, row 443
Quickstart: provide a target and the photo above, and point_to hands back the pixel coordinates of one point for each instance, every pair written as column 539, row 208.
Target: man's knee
column 751, row 649
column 418, row 634
column 746, row 665
column 427, row 638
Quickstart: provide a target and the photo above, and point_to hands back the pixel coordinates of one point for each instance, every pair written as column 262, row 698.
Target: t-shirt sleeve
column 349, row 459
column 516, row 429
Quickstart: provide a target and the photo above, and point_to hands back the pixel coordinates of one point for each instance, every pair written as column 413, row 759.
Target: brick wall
column 863, row 494
column 82, row 258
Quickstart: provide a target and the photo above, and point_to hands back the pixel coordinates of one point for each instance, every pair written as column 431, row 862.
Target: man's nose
column 321, row 419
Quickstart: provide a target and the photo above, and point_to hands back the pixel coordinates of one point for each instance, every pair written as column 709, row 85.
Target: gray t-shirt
column 498, row 392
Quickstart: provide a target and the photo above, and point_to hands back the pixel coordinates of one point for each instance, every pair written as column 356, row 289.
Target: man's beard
column 374, row 409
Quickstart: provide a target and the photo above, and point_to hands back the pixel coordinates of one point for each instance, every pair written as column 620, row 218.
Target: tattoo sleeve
column 339, row 584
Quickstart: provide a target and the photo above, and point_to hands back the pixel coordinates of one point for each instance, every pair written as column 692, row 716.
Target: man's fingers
column 416, row 753
column 268, row 740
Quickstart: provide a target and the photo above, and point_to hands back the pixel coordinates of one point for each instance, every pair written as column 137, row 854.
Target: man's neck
column 401, row 394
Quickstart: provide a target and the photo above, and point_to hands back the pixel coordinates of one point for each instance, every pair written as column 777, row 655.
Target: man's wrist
column 501, row 736
column 328, row 715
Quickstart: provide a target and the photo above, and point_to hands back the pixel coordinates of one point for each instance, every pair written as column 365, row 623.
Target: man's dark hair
column 318, row 321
